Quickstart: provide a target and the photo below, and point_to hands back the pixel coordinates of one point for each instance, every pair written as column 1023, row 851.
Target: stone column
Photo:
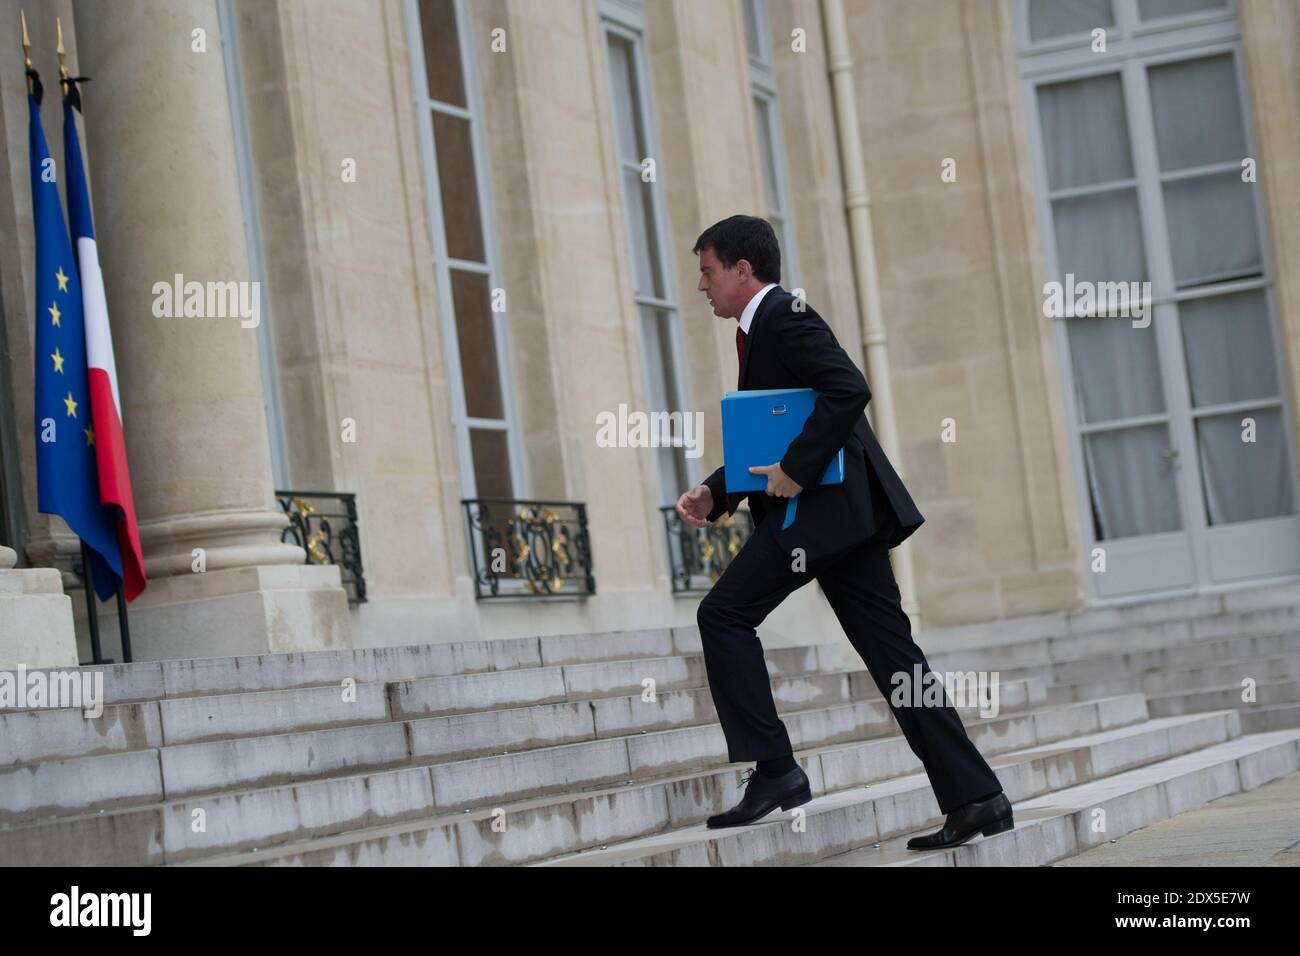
column 167, row 203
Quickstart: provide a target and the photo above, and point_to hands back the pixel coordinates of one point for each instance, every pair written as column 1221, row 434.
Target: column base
column 36, row 626
column 271, row 609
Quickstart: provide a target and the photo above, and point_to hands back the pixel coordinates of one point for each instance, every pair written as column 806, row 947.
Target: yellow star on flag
column 72, row 406
column 58, row 361
column 90, row 435
column 63, row 280
column 54, row 314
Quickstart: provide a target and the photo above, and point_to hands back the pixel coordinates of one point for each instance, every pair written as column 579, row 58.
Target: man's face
column 727, row 289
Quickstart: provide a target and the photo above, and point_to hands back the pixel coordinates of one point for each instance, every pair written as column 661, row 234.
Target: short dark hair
column 744, row 237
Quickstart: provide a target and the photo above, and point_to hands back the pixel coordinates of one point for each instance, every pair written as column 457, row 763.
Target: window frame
column 443, row 263
column 624, row 19
column 763, row 92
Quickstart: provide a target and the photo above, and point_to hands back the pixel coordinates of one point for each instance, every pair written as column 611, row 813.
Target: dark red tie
column 740, row 352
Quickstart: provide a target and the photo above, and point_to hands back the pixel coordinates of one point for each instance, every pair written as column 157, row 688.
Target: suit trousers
column 859, row 585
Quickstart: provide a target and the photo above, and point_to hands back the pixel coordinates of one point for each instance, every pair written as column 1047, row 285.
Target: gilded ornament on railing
column 537, row 550
column 327, row 537
column 700, row 554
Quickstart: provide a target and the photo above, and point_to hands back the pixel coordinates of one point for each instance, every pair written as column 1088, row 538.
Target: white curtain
column 1116, row 366
column 1244, row 480
column 1213, row 236
column 1053, row 18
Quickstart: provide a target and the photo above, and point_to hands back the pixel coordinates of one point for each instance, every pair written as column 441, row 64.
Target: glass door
column 1154, row 234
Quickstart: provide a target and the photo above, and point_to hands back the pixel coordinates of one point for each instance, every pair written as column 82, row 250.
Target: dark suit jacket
column 788, row 348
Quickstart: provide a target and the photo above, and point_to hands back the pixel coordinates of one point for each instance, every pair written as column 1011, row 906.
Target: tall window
column 654, row 288
column 1146, row 174
column 464, row 248
column 771, row 148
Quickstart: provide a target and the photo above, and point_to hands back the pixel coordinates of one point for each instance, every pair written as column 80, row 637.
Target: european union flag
column 66, row 479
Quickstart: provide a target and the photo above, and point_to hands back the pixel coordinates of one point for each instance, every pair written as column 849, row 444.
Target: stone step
column 256, row 817
column 1094, row 666
column 1270, row 717
column 545, row 826
column 1064, row 624
column 531, row 734
column 1212, row 674
column 1015, row 643
column 32, row 736
column 841, row 821
column 1277, row 704
column 1196, row 700
column 1032, row 640
column 35, row 735
column 1063, row 823
column 208, row 676
column 1079, row 670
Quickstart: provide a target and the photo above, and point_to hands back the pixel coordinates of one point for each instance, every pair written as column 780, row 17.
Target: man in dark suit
column 840, row 534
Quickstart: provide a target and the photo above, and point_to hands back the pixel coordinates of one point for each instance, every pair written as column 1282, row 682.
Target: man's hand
column 694, row 506
column 778, row 482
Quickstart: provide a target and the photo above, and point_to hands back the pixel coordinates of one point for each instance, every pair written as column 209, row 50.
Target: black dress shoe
column 763, row 795
column 988, row 816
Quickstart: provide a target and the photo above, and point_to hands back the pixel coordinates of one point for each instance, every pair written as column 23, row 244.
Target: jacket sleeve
column 807, row 348
column 717, row 485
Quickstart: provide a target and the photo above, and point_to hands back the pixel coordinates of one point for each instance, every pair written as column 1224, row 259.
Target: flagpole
column 92, row 612
column 66, row 84
column 123, row 628
column 92, row 615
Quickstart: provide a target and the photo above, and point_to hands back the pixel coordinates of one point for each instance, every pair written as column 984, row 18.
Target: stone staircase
column 560, row 751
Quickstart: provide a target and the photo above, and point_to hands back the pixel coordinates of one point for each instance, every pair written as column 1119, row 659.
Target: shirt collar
column 747, row 316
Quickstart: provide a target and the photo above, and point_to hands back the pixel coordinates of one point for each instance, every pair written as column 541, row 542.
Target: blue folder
column 758, row 426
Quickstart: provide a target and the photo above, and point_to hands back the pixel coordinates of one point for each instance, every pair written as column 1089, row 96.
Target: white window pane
column 664, row 396
column 627, row 120
column 1244, row 480
column 656, row 345
column 1131, row 482
column 767, row 150
column 671, row 464
column 1213, row 235
column 638, row 207
column 1085, row 132
column 1153, row 9
column 1099, row 238
column 1229, row 348
column 1116, row 369
column 1197, row 112
column 753, row 33
column 1052, row 18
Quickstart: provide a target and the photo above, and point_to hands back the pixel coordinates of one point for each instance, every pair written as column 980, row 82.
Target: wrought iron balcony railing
column 533, row 549
column 324, row 524
column 698, row 556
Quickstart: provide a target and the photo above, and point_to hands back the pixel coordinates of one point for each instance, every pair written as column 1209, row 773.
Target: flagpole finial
column 27, row 41
column 27, row 53
column 63, row 67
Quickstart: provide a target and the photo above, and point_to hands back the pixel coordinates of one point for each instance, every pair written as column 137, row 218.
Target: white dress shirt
column 751, row 307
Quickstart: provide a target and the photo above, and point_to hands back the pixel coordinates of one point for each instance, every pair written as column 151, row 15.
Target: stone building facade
column 470, row 225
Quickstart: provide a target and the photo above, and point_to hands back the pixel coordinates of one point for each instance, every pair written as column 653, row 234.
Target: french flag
column 105, row 403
